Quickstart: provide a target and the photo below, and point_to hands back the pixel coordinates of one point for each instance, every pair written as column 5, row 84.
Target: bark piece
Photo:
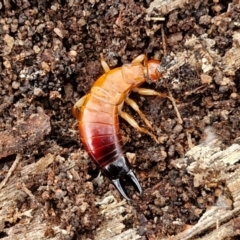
column 166, row 6
column 24, row 134
column 31, row 221
column 211, row 164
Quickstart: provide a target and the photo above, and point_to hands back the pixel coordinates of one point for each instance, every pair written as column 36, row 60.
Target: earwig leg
column 104, row 64
column 140, row 58
column 149, row 92
column 170, row 97
column 134, row 105
column 134, row 124
column 77, row 106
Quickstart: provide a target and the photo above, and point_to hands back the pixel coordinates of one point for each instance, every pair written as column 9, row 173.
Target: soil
column 50, row 57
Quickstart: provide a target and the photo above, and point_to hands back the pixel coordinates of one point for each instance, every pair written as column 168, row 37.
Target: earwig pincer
column 97, row 113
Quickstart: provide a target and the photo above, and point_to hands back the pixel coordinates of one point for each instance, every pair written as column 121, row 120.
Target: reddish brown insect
column 97, row 113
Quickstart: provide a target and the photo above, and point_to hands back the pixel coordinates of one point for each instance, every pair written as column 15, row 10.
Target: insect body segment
column 98, row 111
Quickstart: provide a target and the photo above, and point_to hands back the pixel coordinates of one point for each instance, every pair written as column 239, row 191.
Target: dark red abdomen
column 99, row 131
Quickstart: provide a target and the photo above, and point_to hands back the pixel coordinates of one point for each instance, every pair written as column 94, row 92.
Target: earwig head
column 152, row 70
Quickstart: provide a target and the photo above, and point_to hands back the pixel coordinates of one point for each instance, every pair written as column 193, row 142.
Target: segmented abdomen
column 98, row 122
column 99, row 130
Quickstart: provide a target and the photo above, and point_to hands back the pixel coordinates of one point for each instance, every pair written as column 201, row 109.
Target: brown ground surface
column 49, row 58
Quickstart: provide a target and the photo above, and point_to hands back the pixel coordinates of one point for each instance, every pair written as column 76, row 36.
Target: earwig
column 97, row 113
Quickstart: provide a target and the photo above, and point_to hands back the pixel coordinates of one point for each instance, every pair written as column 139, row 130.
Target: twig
column 155, row 18
column 11, row 170
column 164, row 42
column 170, row 97
column 189, row 139
column 27, row 191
